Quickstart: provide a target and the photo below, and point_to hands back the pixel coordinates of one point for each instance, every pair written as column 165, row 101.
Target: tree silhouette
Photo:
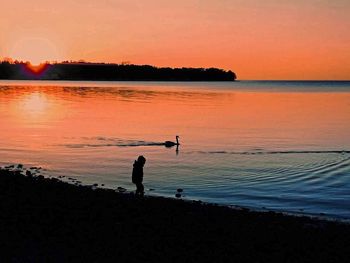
column 107, row 72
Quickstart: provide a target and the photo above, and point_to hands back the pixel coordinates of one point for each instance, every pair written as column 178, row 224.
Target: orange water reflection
column 80, row 131
column 35, row 105
column 202, row 118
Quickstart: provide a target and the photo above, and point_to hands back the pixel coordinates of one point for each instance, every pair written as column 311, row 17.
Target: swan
column 171, row 144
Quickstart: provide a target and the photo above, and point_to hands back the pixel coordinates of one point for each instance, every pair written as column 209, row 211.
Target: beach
column 47, row 220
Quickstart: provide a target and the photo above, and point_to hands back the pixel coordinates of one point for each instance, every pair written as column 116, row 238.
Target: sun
column 35, row 50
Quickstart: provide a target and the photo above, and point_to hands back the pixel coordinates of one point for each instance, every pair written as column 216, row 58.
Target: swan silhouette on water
column 171, row 144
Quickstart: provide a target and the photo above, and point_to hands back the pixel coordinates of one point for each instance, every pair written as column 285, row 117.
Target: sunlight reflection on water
column 277, row 145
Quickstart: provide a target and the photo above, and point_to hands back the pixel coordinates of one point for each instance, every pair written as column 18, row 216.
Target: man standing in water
column 137, row 174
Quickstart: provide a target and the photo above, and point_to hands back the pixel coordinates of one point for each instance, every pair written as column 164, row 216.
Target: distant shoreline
column 109, row 72
column 248, row 81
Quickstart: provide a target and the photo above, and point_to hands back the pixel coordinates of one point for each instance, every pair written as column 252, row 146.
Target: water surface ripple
column 267, row 145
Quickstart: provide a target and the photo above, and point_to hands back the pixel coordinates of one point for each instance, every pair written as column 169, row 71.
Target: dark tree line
column 105, row 72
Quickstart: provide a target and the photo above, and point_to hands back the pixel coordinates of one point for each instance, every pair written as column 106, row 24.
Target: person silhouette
column 137, row 174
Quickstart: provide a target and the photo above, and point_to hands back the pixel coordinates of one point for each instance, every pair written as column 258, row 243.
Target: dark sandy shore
column 45, row 220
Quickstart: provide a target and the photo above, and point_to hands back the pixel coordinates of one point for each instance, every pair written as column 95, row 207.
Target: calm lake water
column 268, row 145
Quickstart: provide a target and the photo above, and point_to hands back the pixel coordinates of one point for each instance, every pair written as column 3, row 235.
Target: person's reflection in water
column 137, row 175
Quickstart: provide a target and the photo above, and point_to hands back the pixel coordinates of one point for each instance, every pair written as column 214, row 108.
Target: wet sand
column 46, row 220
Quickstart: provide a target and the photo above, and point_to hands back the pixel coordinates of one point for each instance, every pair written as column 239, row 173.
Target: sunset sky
column 270, row 39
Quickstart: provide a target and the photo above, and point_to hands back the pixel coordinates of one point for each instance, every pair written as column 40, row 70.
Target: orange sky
column 270, row 39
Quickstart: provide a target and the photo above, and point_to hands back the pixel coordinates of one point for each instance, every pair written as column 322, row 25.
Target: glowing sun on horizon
column 34, row 50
